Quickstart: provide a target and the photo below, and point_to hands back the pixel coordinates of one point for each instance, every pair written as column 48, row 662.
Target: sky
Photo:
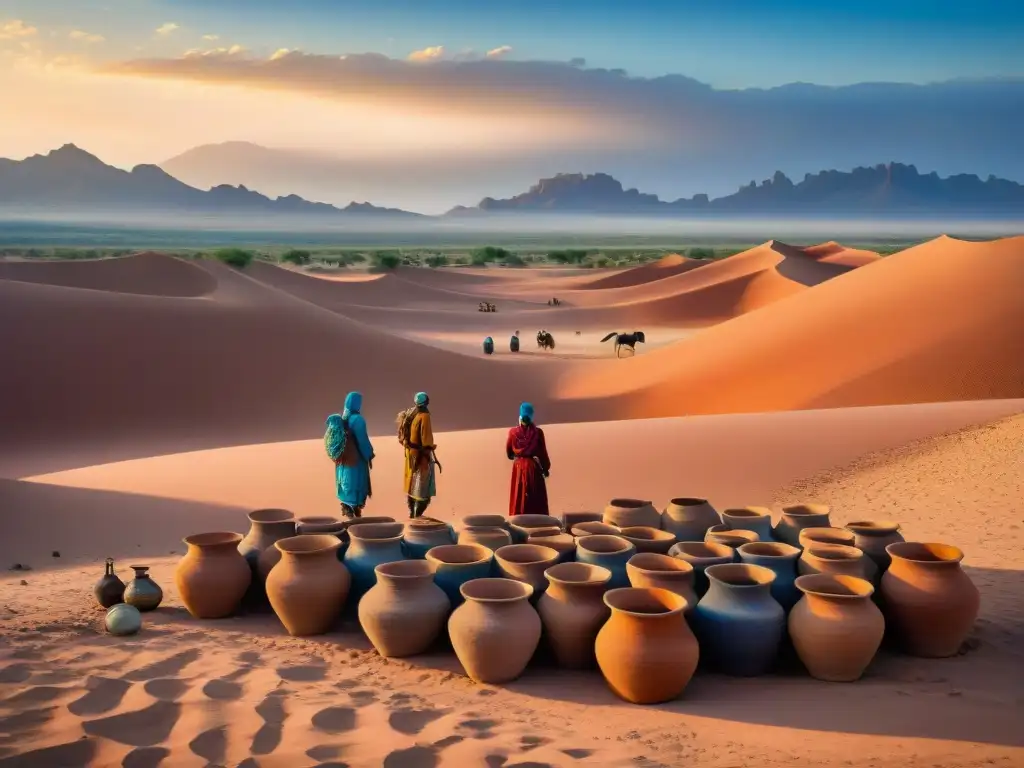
column 482, row 81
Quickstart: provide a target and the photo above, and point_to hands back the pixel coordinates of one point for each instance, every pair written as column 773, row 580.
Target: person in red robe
column 528, row 452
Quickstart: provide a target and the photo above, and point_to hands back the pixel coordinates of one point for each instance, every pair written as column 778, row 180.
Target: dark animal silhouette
column 545, row 340
column 578, row 333
column 626, row 340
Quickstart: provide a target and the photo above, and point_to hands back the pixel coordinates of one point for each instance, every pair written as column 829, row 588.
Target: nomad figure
column 417, row 435
column 530, row 465
column 348, row 445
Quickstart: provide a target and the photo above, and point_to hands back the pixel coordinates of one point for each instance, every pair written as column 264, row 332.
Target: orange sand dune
column 666, row 266
column 940, row 321
column 834, row 253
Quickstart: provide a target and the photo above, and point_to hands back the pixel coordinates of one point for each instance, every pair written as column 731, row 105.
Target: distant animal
column 626, row 340
column 485, row 306
column 578, row 333
column 545, row 340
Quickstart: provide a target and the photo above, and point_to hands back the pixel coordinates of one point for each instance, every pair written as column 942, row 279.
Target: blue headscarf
column 334, row 436
column 353, row 402
column 526, row 412
column 421, row 399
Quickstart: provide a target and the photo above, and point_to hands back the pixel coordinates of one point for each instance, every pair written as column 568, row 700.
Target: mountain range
column 70, row 179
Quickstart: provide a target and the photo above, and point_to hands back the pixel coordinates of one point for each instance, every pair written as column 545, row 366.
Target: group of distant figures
column 485, row 306
column 554, row 303
column 545, row 340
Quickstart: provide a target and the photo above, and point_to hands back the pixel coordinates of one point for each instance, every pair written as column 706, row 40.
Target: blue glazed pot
column 756, row 519
column 422, row 534
column 781, row 560
column 370, row 545
column 738, row 622
column 702, row 555
column 455, row 564
column 611, row 552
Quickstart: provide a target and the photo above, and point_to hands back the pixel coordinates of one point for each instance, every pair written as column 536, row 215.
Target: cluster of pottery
column 126, row 603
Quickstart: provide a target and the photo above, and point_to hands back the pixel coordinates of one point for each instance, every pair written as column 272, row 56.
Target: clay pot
column 405, row 611
column 373, row 519
column 781, row 560
column 572, row 519
column 650, row 570
column 572, row 611
column 307, row 589
column 611, row 552
column 649, row 539
column 122, row 620
column 526, row 562
column 492, row 538
column 836, row 629
column 594, row 528
column 521, row 526
column 701, row 555
column 738, row 622
column 212, row 577
column 266, row 526
column 109, row 590
column 796, row 517
column 809, row 536
column 485, row 521
column 646, row 651
column 315, row 524
column 872, row 537
column 756, row 519
column 495, row 631
column 723, row 534
column 628, row 513
column 455, row 564
column 929, row 601
column 689, row 518
column 562, row 543
column 370, row 545
column 142, row 592
column 422, row 534
column 834, row 559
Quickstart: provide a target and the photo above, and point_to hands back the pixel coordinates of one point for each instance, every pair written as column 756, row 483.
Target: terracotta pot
column 212, row 577
column 405, row 611
column 495, row 631
column 370, row 545
column 142, row 592
column 834, row 559
column 781, row 560
column 611, row 552
column 738, row 622
column 928, row 599
column 526, row 562
column 562, row 543
column 796, row 517
column 266, row 526
column 307, row 589
column 646, row 651
column 689, row 518
column 485, row 521
column 595, row 529
column 809, row 536
column 627, row 513
column 872, row 537
column 723, row 534
column 572, row 519
column 650, row 570
column 572, row 611
column 702, row 555
column 109, row 590
column 649, row 539
column 455, row 564
column 835, row 628
column 319, row 524
column 422, row 534
column 756, row 519
column 492, row 538
column 521, row 526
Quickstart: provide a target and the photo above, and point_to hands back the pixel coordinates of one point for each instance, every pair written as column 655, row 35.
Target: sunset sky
column 408, row 80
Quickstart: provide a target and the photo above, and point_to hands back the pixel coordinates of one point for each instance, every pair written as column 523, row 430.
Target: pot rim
column 838, row 533
column 271, row 515
column 724, row 550
column 773, row 549
column 308, row 544
column 214, row 539
column 929, row 553
column 649, row 562
column 541, row 554
column 627, row 503
column 405, row 570
column 587, row 532
column 138, row 568
column 434, row 556
column 501, row 521
column 873, row 527
column 834, row 586
column 318, row 519
column 810, row 509
column 735, row 534
column 514, row 591
column 761, row 577
column 747, row 513
column 673, row 604
column 837, row 552
column 687, row 501
column 599, row 574
column 377, row 531
column 647, row 533
column 586, row 542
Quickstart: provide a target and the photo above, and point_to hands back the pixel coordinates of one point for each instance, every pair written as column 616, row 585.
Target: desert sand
column 146, row 398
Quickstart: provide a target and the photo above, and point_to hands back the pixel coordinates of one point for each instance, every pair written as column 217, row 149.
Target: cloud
column 16, row 28
column 85, row 37
column 214, row 53
column 280, row 53
column 501, row 50
column 211, row 38
column 431, row 53
column 165, row 29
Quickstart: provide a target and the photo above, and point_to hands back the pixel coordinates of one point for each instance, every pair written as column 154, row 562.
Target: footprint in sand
column 145, row 757
column 222, row 690
column 104, row 693
column 74, row 754
column 363, row 697
column 40, row 694
column 29, row 720
column 412, row 721
column 273, row 713
column 250, row 658
column 168, row 667
column 166, row 688
column 141, row 728
column 211, row 745
column 526, row 743
column 15, row 673
column 413, row 757
column 324, row 752
column 482, row 729
column 335, row 720
column 529, row 764
column 578, row 754
column 302, row 674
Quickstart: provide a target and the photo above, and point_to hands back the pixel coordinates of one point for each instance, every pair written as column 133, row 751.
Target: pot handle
column 109, row 569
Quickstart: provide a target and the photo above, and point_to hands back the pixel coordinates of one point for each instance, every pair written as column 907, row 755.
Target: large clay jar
column 496, row 630
column 572, row 519
column 266, row 526
column 109, row 590
column 485, row 521
column 649, row 570
column 563, row 543
column 405, row 611
column 521, row 526
column 689, row 518
column 872, row 537
column 311, row 525
column 142, row 592
column 929, row 601
column 370, row 545
column 723, row 534
column 738, row 622
column 649, row 539
column 836, row 629
column 809, row 536
column 492, row 538
column 646, row 651
column 572, row 611
column 423, row 533
column 701, row 555
column 526, row 562
column 611, row 552
column 781, row 560
column 307, row 589
column 834, row 559
column 627, row 513
column 455, row 564
column 796, row 517
column 595, row 528
column 212, row 577
column 756, row 519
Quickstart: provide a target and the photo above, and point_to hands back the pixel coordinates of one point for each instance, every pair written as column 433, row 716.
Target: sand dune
column 834, row 253
column 666, row 266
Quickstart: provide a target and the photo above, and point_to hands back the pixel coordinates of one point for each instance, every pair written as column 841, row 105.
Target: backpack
column 341, row 444
column 404, row 423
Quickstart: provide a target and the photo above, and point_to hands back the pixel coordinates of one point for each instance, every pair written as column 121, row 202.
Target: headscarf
column 526, row 436
column 526, row 412
column 334, row 436
column 353, row 402
column 421, row 399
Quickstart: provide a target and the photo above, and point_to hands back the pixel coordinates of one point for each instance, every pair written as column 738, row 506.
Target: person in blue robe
column 353, row 460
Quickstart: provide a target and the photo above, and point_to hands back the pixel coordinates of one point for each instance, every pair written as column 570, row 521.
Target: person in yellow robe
column 420, row 459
